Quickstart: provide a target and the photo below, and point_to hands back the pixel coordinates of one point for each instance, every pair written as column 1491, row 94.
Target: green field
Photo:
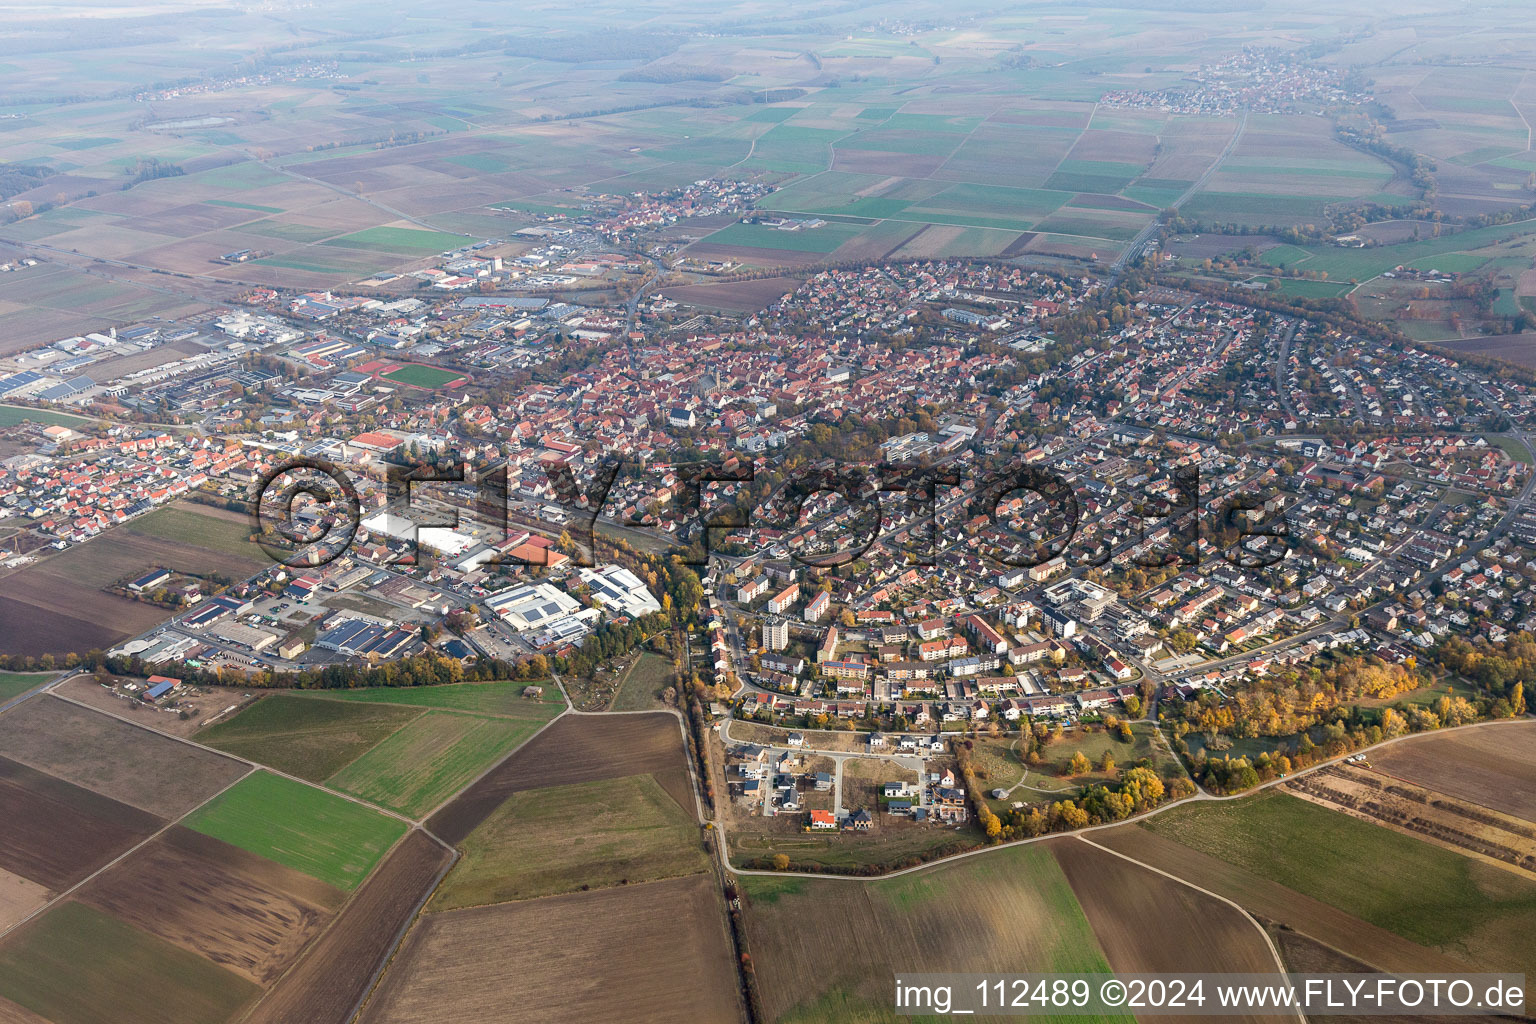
column 1251, row 208
column 11, row 415
column 1304, row 289
column 1422, row 892
column 242, row 206
column 564, row 838
column 1013, row 906
column 186, row 525
column 321, row 834
column 85, row 143
column 77, row 965
column 312, row 266
column 823, row 239
column 406, row 241
column 14, row 683
column 503, row 698
column 428, row 377
column 430, row 759
column 1450, row 252
column 308, row 738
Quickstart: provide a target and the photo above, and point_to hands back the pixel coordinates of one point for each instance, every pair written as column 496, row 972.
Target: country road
column 1133, row 247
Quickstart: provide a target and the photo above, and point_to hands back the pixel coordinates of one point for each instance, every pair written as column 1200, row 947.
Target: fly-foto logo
column 307, row 512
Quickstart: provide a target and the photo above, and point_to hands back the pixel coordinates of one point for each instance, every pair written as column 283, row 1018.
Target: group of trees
column 1327, row 712
column 1137, row 789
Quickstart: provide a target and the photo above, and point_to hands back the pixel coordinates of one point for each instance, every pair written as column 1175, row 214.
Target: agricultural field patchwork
column 77, row 965
column 113, row 758
column 1011, row 905
column 311, row 739
column 325, row 836
column 1411, row 888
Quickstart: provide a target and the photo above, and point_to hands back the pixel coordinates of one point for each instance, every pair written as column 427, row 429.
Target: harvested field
column 313, row 739
column 10, row 1013
column 754, row 256
column 1494, row 766
column 735, row 296
column 559, row 839
column 660, row 955
column 57, row 833
column 1302, row 955
column 328, row 837
column 56, row 617
column 575, row 749
column 1271, row 901
column 1134, row 910
column 241, row 911
column 18, row 898
column 76, row 965
column 113, row 758
column 326, row 984
column 205, row 705
column 1512, row 348
column 1422, row 813
column 1011, row 906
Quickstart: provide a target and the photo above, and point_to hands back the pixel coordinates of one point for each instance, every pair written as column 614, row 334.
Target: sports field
column 429, row 378
column 323, row 835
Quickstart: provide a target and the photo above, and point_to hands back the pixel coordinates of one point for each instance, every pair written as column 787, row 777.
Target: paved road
column 1199, row 796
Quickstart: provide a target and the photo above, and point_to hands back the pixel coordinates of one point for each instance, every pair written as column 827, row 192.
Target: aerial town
column 695, row 512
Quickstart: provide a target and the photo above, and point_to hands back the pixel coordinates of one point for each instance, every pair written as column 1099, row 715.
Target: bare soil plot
column 1272, row 901
column 754, row 256
column 577, row 748
column 1303, row 955
column 660, row 954
column 1133, row 912
column 243, row 912
column 874, row 161
column 10, row 1013
column 1494, row 766
column 57, row 833
column 1512, row 348
column 204, row 705
column 325, row 985
column 40, row 615
column 18, row 898
column 735, row 296
column 113, row 758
